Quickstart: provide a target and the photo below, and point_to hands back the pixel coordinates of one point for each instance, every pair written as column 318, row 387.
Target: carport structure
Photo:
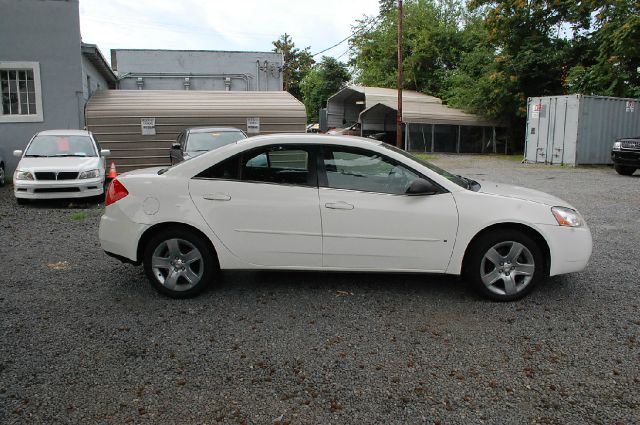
column 139, row 126
column 430, row 126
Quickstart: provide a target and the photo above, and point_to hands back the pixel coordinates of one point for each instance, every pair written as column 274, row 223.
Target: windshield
column 460, row 181
column 203, row 142
column 61, row 146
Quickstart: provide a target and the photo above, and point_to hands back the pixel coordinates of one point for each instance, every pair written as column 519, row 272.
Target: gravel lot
column 84, row 339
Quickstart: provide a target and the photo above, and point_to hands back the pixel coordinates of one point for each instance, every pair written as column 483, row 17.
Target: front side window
column 365, row 171
column 20, row 92
column 275, row 164
column 47, row 145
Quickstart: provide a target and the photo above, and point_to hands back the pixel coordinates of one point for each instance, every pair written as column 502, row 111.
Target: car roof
column 64, row 133
column 211, row 129
column 325, row 139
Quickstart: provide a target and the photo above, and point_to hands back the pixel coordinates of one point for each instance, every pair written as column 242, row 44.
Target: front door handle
column 339, row 205
column 217, row 197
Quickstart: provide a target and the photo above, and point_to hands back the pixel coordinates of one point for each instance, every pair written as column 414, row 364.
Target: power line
column 353, row 34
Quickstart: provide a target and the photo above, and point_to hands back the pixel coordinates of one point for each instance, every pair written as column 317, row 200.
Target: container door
column 557, row 110
column 538, row 127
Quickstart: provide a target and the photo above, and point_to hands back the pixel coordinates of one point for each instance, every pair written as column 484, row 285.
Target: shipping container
column 577, row 129
column 139, row 126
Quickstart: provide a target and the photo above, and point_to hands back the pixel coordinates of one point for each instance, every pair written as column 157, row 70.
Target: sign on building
column 253, row 125
column 148, row 126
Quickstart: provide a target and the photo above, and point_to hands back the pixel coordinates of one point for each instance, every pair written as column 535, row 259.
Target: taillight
column 115, row 192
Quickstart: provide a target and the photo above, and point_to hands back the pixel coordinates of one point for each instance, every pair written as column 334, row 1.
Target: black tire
column 2, row 175
column 502, row 241
column 206, row 268
column 22, row 201
column 624, row 170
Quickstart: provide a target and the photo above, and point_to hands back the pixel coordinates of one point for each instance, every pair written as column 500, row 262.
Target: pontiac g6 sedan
column 311, row 202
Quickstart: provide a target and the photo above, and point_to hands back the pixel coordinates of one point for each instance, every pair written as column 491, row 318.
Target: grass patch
column 425, row 156
column 83, row 215
column 516, row 158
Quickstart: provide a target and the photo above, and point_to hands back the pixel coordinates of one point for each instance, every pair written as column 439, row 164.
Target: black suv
column 626, row 155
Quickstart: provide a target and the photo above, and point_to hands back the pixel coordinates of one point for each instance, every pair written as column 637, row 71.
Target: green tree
column 297, row 63
column 325, row 78
column 610, row 63
column 432, row 45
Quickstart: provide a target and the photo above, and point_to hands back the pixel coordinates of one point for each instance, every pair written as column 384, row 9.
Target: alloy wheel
column 507, row 268
column 177, row 264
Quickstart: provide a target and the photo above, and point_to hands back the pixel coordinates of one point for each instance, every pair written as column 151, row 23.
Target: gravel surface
column 84, row 339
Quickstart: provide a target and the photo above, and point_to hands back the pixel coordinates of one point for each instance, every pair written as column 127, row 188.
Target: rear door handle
column 338, row 205
column 217, row 197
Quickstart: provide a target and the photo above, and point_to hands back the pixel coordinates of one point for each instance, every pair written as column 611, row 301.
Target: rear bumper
column 626, row 158
column 34, row 189
column 119, row 236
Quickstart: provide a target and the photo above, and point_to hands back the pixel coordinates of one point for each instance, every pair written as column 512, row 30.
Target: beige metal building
column 139, row 126
column 430, row 126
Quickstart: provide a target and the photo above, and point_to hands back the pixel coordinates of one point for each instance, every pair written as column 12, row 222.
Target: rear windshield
column 203, row 142
column 61, row 146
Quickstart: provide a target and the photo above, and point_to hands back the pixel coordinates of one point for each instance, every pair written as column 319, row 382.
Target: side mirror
column 175, row 146
column 105, row 152
column 422, row 187
column 17, row 153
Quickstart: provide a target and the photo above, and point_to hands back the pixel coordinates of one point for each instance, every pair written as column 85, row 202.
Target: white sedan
column 312, row 202
column 60, row 164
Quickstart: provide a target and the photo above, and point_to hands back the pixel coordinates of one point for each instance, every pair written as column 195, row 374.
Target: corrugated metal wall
column 578, row 129
column 114, row 117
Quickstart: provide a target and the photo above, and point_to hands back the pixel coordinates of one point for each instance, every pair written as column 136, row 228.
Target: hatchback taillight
column 115, row 192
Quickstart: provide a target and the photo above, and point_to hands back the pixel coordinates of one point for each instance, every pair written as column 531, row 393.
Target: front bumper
column 56, row 189
column 627, row 158
column 570, row 248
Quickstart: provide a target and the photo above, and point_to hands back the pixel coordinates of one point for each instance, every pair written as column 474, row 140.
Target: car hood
column 519, row 192
column 65, row 163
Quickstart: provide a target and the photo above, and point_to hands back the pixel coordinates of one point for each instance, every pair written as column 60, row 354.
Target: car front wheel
column 504, row 265
column 179, row 263
column 625, row 171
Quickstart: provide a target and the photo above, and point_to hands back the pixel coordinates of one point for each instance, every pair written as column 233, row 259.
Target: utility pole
column 399, row 143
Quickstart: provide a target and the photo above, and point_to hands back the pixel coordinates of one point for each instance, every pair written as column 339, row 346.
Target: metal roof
column 416, row 107
column 194, row 103
column 94, row 55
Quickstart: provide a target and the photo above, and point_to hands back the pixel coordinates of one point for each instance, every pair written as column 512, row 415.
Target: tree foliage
column 489, row 56
column 297, row 63
column 432, row 45
column 324, row 80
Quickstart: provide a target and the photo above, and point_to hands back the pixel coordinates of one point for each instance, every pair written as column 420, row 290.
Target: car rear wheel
column 2, row 179
column 624, row 170
column 179, row 263
column 504, row 265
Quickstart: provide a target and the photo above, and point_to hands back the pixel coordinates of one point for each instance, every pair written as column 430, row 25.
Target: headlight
column 567, row 217
column 24, row 175
column 617, row 146
column 90, row 174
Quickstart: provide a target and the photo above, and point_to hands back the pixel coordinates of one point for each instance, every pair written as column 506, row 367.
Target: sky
column 220, row 25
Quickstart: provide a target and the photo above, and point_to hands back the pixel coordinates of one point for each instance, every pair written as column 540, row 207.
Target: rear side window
column 290, row 165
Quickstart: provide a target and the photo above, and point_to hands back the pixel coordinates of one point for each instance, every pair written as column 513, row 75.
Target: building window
column 20, row 92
